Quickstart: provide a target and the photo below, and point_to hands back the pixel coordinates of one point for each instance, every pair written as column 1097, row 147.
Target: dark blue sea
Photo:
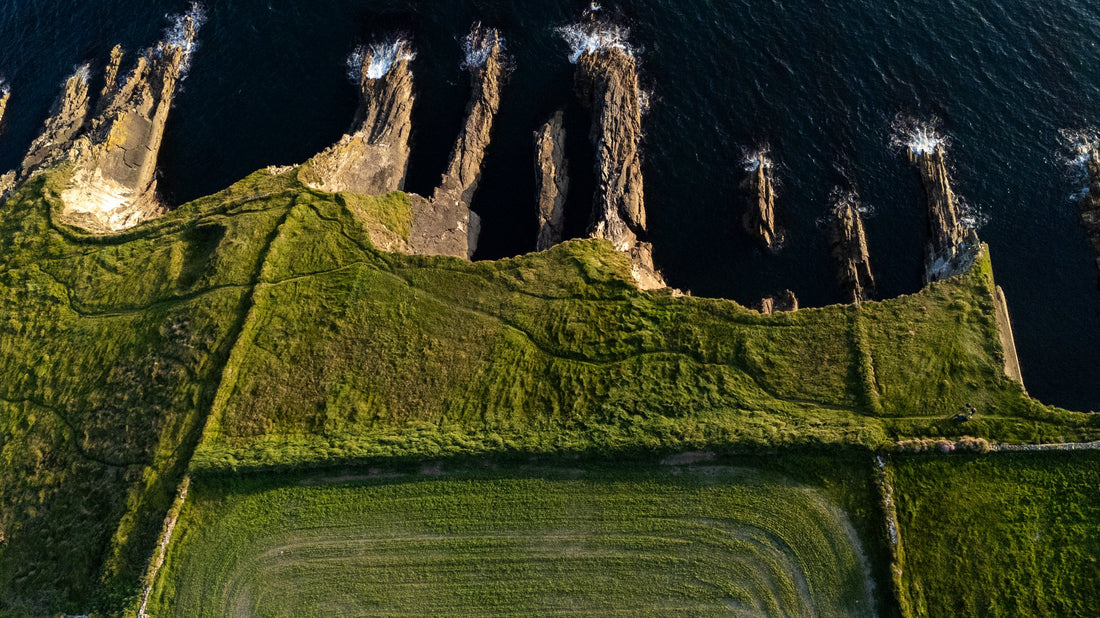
column 822, row 83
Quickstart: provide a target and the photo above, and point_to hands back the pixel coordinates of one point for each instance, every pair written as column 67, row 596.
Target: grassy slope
column 1009, row 535
column 603, row 541
column 267, row 305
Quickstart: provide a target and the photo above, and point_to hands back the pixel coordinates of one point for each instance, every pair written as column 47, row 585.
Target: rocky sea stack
column 849, row 241
column 607, row 82
column 953, row 245
column 1090, row 205
column 759, row 219
column 552, row 177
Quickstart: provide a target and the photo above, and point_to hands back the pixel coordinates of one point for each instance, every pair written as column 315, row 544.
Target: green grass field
column 259, row 328
column 1003, row 535
column 599, row 541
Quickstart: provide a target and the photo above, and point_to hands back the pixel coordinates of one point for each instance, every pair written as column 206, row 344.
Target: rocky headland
column 607, row 82
column 952, row 246
column 552, row 180
column 67, row 118
column 1090, row 204
column 759, row 219
column 372, row 158
column 849, row 242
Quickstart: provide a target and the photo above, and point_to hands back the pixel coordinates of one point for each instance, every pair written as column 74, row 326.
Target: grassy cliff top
column 260, row 328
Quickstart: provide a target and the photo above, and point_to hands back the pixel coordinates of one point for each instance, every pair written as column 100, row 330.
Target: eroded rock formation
column 374, row 156
column 1090, row 205
column 849, row 242
column 5, row 95
column 553, row 181
column 759, row 219
column 952, row 246
column 785, row 301
column 445, row 225
column 113, row 185
column 66, row 119
column 607, row 82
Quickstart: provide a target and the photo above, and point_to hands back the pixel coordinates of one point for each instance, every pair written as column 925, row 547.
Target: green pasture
column 620, row 541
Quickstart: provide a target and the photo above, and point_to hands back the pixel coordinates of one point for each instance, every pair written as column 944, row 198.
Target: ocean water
column 822, row 84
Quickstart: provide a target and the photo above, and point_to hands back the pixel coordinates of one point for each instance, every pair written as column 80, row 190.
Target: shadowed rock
column 553, row 181
column 849, row 242
column 953, row 246
column 1090, row 205
column 784, row 302
column 66, row 119
column 445, row 225
column 374, row 156
column 759, row 219
column 607, row 82
column 113, row 185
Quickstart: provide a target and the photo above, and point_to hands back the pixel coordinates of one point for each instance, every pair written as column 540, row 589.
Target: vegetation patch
column 595, row 541
column 1000, row 535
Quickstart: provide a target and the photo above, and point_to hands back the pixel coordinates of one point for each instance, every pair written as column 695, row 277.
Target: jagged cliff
column 759, row 219
column 374, row 156
column 113, row 184
column 784, row 302
column 952, row 246
column 849, row 242
column 1090, row 205
column 66, row 119
column 553, row 181
column 607, row 82
column 445, row 225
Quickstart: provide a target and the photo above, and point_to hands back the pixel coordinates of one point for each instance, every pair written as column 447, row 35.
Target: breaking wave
column 478, row 45
column 83, row 73
column 755, row 159
column 917, row 136
column 590, row 38
column 378, row 58
column 181, row 32
column 1076, row 147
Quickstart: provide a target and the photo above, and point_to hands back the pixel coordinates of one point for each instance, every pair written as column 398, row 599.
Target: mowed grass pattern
column 704, row 542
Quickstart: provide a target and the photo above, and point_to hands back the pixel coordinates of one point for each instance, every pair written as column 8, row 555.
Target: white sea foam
column 755, row 159
column 917, row 136
column 4, row 88
column 180, row 34
column 478, row 45
column 1076, row 148
column 83, row 73
column 379, row 58
column 590, row 38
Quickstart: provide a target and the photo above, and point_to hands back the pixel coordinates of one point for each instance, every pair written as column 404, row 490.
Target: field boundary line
column 156, row 561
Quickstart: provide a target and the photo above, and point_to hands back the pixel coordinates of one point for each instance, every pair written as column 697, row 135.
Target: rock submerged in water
column 552, row 180
column 607, row 83
column 953, row 246
column 849, row 241
column 1090, row 204
column 759, row 220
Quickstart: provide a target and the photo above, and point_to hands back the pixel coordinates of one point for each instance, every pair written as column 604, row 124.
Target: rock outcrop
column 1090, row 205
column 5, row 96
column 553, row 181
column 607, row 82
column 759, row 219
column 7, row 179
column 373, row 157
column 445, row 225
column 849, row 242
column 784, row 302
column 113, row 185
column 66, row 119
column 953, row 246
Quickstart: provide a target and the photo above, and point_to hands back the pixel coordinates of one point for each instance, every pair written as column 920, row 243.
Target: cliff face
column 445, row 225
column 374, row 156
column 553, row 181
column 849, row 242
column 607, row 82
column 66, row 119
column 1090, row 205
column 113, row 186
column 785, row 301
column 952, row 246
column 759, row 220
